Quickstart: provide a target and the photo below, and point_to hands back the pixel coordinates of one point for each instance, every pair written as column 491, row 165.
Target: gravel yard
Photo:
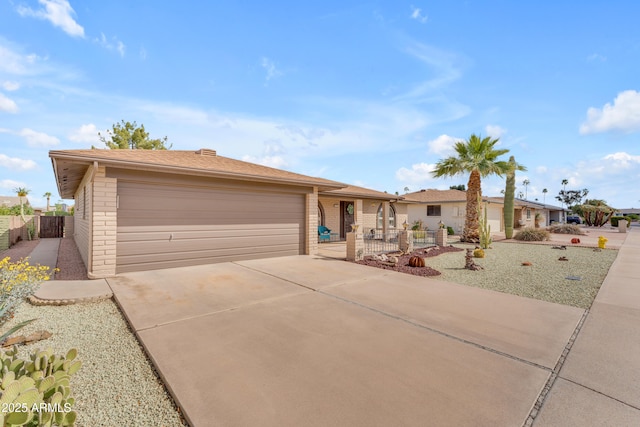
column 116, row 385
column 546, row 279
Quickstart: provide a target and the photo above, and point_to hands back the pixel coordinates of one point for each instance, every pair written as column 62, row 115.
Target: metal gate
column 51, row 226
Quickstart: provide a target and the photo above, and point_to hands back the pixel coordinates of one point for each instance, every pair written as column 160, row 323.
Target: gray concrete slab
column 312, row 271
column 192, row 291
column 77, row 290
column 315, row 360
column 620, row 290
column 571, row 405
column 533, row 330
column 46, row 254
column 605, row 355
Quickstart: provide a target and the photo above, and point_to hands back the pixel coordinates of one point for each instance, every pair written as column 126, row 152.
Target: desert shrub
column 532, row 235
column 419, row 234
column 564, row 229
column 615, row 219
column 633, row 217
column 18, row 280
column 450, row 231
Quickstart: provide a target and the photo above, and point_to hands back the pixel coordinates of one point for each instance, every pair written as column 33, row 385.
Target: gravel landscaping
column 116, row 385
column 546, row 279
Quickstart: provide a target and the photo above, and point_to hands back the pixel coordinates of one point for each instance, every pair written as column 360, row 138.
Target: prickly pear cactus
column 36, row 392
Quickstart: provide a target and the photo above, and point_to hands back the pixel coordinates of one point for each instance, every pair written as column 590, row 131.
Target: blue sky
column 367, row 93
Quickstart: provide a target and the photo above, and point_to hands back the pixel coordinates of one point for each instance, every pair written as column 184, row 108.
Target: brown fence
column 51, row 226
column 13, row 229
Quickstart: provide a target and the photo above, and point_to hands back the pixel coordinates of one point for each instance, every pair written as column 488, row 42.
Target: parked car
column 574, row 219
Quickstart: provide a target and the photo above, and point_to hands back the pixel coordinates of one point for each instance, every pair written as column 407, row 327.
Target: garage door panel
column 291, row 241
column 169, row 233
column 160, row 226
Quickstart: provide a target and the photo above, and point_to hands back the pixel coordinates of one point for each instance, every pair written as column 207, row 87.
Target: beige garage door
column 163, row 226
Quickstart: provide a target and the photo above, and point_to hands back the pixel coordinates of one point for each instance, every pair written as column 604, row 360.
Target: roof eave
column 190, row 171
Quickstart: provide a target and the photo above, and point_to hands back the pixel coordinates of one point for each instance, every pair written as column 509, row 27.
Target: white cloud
column 111, row 44
column 16, row 164
column 7, row 105
column 10, row 86
column 85, row 133
column 38, row 139
column 442, row 145
column 542, row 169
column 419, row 173
column 270, row 68
column 495, row 131
column 272, row 155
column 416, row 13
column 11, row 184
column 16, row 63
column 442, row 65
column 58, row 12
column 623, row 115
column 596, row 57
column 622, row 160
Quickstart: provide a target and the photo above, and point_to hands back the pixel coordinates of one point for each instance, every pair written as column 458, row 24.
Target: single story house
column 10, row 201
column 148, row 209
column 525, row 212
column 449, row 207
column 372, row 210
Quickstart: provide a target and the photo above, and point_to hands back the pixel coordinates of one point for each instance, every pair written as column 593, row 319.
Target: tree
column 509, row 195
column 406, row 190
column 477, row 157
column 48, row 196
column 460, row 187
column 526, row 182
column 128, row 135
column 544, row 195
column 22, row 192
column 572, row 197
column 595, row 212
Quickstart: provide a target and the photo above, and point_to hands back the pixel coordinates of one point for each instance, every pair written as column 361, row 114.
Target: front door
column 346, row 218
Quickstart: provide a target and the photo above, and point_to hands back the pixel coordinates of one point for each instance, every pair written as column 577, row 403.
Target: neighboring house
column 525, row 212
column 149, row 209
column 449, row 207
column 372, row 210
column 627, row 211
column 9, row 201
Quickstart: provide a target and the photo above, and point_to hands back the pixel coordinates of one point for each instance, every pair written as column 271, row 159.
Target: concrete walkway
column 63, row 291
column 599, row 383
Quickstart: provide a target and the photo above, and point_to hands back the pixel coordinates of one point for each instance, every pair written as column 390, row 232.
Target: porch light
column 405, row 225
column 440, row 224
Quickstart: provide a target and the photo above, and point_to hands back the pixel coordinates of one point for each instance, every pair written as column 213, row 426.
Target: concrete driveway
column 313, row 341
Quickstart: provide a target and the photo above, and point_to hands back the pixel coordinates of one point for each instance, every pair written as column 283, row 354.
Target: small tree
column 572, row 197
column 595, row 212
column 127, row 135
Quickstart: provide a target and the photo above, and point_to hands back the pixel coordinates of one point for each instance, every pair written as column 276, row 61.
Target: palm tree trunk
column 471, row 231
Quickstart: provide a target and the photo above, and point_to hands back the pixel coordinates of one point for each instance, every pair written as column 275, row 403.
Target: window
column 433, row 210
column 528, row 213
column 391, row 216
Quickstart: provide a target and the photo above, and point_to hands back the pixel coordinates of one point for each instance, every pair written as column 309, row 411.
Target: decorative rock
column 527, row 263
column 469, row 264
column 563, row 258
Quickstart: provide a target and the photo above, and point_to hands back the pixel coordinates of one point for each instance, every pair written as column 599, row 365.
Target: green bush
column 633, row 217
column 18, row 280
column 615, row 219
column 532, row 235
column 450, row 231
column 564, row 229
column 419, row 234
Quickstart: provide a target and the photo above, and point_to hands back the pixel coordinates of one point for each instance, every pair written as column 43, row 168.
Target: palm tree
column 478, row 157
column 22, row 192
column 526, row 182
column 544, row 195
column 48, row 196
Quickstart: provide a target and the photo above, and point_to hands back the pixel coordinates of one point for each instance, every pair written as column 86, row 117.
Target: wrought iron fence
column 375, row 241
column 424, row 238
